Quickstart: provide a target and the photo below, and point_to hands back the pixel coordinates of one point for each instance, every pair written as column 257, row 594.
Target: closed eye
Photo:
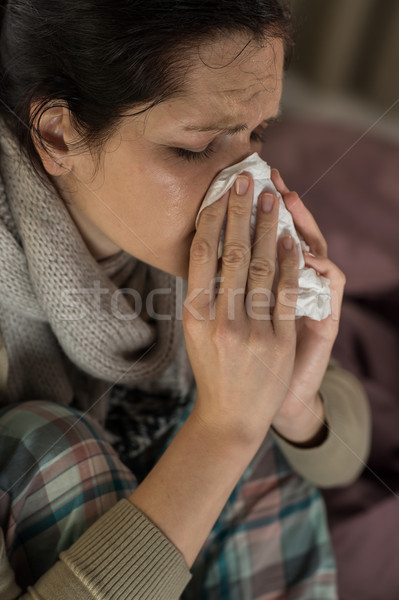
column 258, row 136
column 190, row 155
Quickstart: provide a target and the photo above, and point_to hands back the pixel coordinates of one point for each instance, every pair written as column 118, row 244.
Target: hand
column 242, row 364
column 301, row 415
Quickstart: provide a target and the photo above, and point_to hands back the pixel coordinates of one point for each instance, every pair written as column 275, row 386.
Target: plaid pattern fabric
column 57, row 476
column 270, row 542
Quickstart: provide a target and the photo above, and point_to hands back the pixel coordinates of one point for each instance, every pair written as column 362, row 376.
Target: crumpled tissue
column 314, row 297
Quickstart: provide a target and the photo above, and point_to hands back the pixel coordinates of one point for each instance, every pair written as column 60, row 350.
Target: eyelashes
column 257, row 136
column 191, row 156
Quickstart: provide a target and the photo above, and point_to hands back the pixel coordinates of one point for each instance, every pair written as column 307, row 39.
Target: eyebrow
column 220, row 128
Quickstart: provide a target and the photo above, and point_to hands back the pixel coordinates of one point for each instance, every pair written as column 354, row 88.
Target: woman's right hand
column 242, row 359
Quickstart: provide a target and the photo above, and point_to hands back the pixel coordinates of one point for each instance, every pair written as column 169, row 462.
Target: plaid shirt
column 270, row 541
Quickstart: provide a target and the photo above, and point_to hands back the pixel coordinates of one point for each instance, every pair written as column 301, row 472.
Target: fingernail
column 242, row 185
column 267, row 202
column 288, row 242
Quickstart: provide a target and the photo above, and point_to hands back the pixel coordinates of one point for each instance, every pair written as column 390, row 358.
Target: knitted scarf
column 69, row 330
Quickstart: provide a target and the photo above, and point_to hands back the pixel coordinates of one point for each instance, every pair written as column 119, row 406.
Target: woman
column 124, row 114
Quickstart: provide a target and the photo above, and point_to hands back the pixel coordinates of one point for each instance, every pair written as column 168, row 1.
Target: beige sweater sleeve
column 340, row 459
column 122, row 556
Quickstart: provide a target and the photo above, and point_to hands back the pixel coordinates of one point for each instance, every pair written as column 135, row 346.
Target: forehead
column 230, row 80
column 236, row 66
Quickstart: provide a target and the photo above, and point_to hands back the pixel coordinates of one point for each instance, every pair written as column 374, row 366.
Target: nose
column 240, row 149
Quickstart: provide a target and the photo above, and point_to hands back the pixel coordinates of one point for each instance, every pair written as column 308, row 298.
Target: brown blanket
column 351, row 185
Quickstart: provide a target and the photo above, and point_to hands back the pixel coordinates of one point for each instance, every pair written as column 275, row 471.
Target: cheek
column 175, row 193
column 157, row 195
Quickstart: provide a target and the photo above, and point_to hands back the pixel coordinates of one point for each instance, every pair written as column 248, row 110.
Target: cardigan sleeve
column 341, row 457
column 122, row 556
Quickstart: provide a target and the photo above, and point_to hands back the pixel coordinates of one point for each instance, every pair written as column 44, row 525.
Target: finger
column 262, row 266
column 287, row 290
column 303, row 219
column 236, row 249
column 306, row 224
column 326, row 268
column 278, row 182
column 203, row 256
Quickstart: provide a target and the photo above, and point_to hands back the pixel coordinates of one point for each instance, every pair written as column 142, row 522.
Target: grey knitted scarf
column 65, row 341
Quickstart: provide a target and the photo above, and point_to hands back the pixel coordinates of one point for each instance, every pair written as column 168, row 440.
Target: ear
column 56, row 133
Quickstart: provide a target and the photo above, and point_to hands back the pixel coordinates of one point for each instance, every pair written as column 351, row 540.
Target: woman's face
column 146, row 194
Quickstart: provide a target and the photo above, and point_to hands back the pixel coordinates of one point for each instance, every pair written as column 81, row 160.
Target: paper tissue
column 314, row 298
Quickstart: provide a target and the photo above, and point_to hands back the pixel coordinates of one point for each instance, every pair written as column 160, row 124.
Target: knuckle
column 235, row 254
column 261, row 269
column 290, row 262
column 224, row 335
column 212, row 212
column 287, row 295
column 238, row 209
column 267, row 227
column 288, row 284
column 201, row 251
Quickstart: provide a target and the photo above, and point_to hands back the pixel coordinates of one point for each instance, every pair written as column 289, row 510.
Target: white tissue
column 314, row 298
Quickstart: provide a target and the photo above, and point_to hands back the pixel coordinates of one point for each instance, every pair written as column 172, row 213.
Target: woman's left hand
column 301, row 416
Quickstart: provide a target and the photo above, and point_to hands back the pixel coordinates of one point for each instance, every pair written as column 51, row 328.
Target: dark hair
column 100, row 58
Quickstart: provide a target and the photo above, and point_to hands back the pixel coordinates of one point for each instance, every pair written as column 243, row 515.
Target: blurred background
column 346, row 63
column 338, row 147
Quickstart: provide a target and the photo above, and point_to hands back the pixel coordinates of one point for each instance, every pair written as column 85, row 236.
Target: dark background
column 346, row 63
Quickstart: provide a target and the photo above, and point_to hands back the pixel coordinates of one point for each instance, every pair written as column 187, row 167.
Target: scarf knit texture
column 65, row 342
